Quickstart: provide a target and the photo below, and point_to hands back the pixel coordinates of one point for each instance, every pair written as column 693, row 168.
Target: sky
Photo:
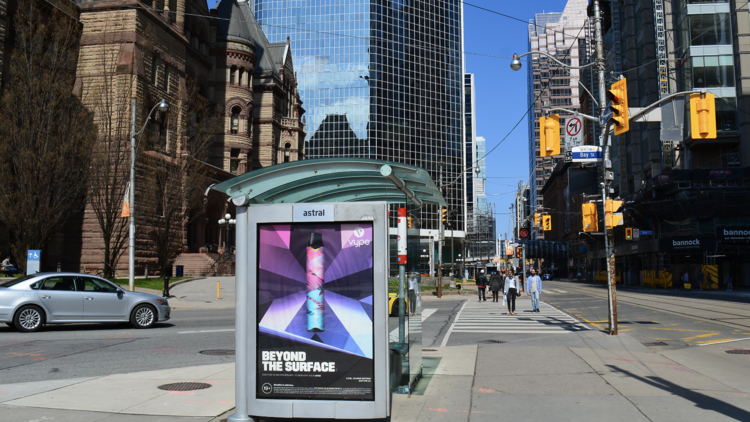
column 501, row 93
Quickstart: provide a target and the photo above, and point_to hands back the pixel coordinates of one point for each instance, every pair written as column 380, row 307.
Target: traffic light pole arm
column 541, row 53
column 652, row 106
column 574, row 113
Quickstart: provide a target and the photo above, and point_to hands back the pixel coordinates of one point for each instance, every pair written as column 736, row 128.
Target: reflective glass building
column 380, row 79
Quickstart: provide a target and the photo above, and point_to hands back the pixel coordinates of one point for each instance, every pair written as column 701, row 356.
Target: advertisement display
column 315, row 327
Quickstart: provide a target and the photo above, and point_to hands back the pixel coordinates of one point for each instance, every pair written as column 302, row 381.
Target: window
column 155, row 71
column 235, row 121
column 234, row 160
column 713, row 29
column 66, row 284
column 287, row 152
column 231, row 76
column 90, row 284
column 713, row 71
column 726, row 114
column 166, row 78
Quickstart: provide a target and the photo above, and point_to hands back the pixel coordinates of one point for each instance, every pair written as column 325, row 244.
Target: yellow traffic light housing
column 611, row 219
column 590, row 219
column 536, row 218
column 444, row 214
column 549, row 135
column 519, row 252
column 408, row 221
column 702, row 116
column 628, row 233
column 618, row 94
column 547, row 222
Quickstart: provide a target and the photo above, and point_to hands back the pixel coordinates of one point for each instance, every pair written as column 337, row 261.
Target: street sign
column 607, row 113
column 573, row 132
column 33, row 258
column 568, row 156
column 524, row 233
column 646, row 232
column 636, row 234
column 586, row 154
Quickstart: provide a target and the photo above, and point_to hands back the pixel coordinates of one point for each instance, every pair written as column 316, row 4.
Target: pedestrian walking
column 685, row 281
column 496, row 284
column 709, row 281
column 729, row 282
column 534, row 289
column 481, row 285
column 699, row 278
column 510, row 291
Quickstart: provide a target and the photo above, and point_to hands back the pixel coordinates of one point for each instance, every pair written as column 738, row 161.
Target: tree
column 108, row 96
column 177, row 170
column 46, row 134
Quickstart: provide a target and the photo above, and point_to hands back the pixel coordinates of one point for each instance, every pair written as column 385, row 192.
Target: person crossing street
column 533, row 289
column 510, row 291
column 481, row 286
column 496, row 284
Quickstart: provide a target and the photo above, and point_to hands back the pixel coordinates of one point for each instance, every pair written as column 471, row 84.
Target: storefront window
column 713, row 71
column 726, row 114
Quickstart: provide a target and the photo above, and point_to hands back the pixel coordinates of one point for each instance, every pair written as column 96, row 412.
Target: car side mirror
column 119, row 290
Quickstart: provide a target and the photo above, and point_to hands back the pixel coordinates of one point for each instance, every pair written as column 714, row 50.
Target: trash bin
column 179, row 270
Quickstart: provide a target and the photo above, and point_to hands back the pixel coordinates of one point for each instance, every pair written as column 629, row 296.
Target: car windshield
column 15, row 281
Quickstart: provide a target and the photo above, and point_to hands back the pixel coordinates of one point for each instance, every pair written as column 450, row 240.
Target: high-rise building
column 550, row 85
column 470, row 137
column 480, row 177
column 390, row 71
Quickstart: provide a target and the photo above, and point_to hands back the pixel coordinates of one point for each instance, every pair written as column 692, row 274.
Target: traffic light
column 618, row 94
column 444, row 214
column 549, row 135
column 702, row 116
column 547, row 222
column 611, row 218
column 590, row 219
column 408, row 221
column 519, row 252
column 628, row 233
column 536, row 218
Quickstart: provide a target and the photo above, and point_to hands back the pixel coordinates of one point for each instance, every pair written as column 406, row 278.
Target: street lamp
column 163, row 107
column 227, row 223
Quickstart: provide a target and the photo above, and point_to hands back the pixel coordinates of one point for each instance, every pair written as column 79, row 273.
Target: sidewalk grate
column 492, row 342
column 218, row 352
column 184, row 386
column 739, row 352
column 655, row 343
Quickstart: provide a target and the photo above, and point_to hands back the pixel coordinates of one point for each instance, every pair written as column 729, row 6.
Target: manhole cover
column 492, row 341
column 655, row 343
column 218, row 352
column 184, row 386
column 739, row 352
column 429, row 350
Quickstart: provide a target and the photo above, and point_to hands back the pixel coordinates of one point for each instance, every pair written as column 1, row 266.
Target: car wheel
column 143, row 316
column 28, row 319
column 394, row 309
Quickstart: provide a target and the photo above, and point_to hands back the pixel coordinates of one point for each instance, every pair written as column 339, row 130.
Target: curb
column 177, row 283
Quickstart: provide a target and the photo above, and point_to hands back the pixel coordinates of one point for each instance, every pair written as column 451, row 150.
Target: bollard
column 145, row 271
column 166, row 286
column 218, row 289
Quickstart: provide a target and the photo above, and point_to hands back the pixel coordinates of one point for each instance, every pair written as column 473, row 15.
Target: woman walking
column 510, row 292
column 496, row 284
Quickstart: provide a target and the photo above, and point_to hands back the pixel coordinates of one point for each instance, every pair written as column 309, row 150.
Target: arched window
column 235, row 121
column 287, row 152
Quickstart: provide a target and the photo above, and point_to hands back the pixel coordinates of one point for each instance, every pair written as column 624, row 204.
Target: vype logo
column 358, row 233
column 695, row 242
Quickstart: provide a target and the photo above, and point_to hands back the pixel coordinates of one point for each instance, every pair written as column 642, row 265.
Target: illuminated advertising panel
column 315, row 311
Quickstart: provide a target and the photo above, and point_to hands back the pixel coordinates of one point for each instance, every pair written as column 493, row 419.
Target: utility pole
column 440, row 243
column 606, row 165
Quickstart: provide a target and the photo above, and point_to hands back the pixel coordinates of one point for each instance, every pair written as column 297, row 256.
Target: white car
column 27, row 303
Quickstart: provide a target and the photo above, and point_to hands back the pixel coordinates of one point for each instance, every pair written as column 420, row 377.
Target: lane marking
column 426, row 313
column 710, row 342
column 450, row 330
column 206, row 331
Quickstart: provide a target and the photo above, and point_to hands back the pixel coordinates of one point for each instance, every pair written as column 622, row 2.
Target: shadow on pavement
column 701, row 401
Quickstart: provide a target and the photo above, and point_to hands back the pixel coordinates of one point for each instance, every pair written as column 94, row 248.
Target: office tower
column 470, row 136
column 560, row 35
column 380, row 80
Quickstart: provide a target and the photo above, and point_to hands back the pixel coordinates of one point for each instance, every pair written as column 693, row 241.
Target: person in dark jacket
column 496, row 284
column 481, row 285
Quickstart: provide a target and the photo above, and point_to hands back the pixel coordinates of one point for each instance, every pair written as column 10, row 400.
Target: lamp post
column 163, row 107
column 227, row 223
column 605, row 183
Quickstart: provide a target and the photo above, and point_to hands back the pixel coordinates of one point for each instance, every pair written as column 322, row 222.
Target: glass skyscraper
column 379, row 79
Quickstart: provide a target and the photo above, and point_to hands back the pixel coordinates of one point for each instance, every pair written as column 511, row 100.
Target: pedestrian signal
column 549, row 135
column 519, row 252
column 618, row 94
column 611, row 218
column 702, row 116
column 547, row 222
column 590, row 219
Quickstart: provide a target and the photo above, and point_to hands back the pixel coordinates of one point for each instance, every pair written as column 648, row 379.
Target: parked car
column 27, row 303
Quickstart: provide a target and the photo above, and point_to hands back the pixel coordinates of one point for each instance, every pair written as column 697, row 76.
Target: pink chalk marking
column 486, row 390
column 226, row 402
column 438, row 410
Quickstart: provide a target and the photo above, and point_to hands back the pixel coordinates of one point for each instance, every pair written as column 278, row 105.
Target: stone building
column 150, row 53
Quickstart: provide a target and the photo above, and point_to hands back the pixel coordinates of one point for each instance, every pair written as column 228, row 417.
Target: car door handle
column 46, row 297
column 89, row 298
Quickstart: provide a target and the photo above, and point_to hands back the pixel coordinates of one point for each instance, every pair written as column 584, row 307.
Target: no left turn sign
column 573, row 132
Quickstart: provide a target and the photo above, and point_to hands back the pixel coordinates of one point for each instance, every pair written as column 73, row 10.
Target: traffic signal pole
column 608, row 234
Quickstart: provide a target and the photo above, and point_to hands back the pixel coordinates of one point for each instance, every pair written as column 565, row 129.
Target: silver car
column 29, row 302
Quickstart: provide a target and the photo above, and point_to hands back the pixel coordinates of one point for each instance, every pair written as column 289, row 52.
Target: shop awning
column 333, row 180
